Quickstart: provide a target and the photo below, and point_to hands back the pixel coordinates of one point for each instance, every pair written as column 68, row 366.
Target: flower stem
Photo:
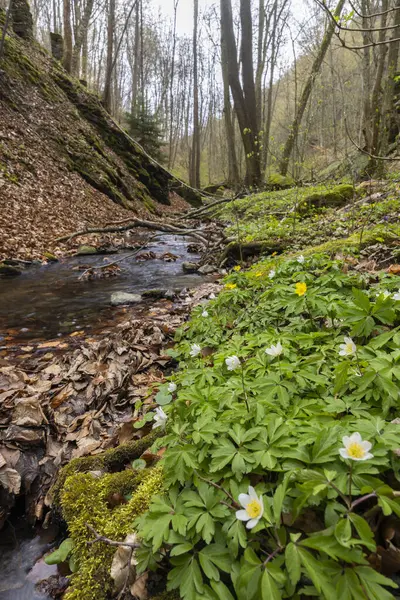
column 350, row 478
column 244, row 388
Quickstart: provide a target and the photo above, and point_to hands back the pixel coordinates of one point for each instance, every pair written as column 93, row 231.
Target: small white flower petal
column 252, row 523
column 355, row 438
column 244, row 499
column 366, row 446
column 242, row 515
column 343, row 453
column 253, row 493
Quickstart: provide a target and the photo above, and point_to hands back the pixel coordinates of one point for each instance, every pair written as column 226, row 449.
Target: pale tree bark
column 195, row 152
column 67, row 62
column 233, row 169
column 305, row 96
column 81, row 32
column 376, row 100
column 136, row 63
column 244, row 102
column 110, row 54
column 171, row 89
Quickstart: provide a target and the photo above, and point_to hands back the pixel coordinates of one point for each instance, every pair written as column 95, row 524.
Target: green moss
column 85, row 501
column 280, row 182
column 111, row 460
column 335, row 197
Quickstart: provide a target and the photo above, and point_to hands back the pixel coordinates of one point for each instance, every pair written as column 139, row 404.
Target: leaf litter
column 83, row 397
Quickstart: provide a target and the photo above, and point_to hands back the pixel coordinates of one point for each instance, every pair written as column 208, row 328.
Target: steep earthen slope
column 64, row 164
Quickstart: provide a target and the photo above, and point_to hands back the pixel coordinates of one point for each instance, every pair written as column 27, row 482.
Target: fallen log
column 153, row 225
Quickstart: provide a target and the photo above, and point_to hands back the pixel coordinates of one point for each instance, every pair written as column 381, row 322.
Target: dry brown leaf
column 123, row 564
column 139, row 588
column 10, row 479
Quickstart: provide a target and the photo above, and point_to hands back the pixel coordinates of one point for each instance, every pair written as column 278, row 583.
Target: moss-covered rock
column 336, row 197
column 279, row 182
column 85, row 500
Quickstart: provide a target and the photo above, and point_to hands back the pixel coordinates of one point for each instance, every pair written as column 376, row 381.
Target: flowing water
column 50, row 300
column 47, row 301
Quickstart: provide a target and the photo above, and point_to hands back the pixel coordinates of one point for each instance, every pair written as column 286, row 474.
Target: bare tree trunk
column 300, row 109
column 233, row 170
column 388, row 110
column 67, row 62
column 80, row 35
column 171, row 89
column 110, row 55
column 195, row 154
column 136, row 64
column 246, row 122
column 376, row 100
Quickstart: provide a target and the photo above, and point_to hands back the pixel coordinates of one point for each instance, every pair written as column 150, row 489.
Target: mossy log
column 334, row 198
column 85, row 500
column 236, row 250
column 112, row 460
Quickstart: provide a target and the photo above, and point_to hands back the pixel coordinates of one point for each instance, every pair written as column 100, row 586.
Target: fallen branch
column 153, row 225
column 116, row 262
column 204, row 209
column 106, row 540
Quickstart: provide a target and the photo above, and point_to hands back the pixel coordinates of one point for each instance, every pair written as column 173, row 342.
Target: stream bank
column 76, row 374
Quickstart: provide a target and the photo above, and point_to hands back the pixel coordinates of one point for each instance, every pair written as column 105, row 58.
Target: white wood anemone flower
column 204, row 314
column 396, row 296
column 274, row 351
column 272, row 273
column 355, row 448
column 160, row 418
column 172, row 387
column 348, row 348
column 232, row 362
column 253, row 508
column 300, row 259
column 195, row 350
column 212, row 296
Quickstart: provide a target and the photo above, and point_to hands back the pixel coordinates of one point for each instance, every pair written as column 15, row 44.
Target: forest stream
column 50, row 300
column 47, row 302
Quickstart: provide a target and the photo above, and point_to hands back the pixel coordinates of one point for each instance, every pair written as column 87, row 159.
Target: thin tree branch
column 106, row 540
column 388, row 158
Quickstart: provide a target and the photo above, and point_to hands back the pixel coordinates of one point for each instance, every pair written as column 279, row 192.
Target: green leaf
column 292, row 561
column 268, row 587
column 343, row 531
column 364, row 531
column 163, row 398
column 221, row 590
column 361, row 300
column 138, row 464
column 61, row 554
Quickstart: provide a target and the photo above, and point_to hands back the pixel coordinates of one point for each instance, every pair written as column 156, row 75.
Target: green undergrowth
column 310, row 216
column 275, row 421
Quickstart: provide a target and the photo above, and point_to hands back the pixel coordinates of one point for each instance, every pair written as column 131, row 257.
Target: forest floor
column 79, row 396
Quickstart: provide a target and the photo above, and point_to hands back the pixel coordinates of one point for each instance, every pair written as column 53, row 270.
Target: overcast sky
column 185, row 11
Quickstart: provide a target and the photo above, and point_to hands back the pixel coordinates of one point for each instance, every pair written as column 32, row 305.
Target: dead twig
column 106, row 540
column 116, row 262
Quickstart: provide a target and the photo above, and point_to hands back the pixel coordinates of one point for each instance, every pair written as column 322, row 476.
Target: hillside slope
column 64, row 164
